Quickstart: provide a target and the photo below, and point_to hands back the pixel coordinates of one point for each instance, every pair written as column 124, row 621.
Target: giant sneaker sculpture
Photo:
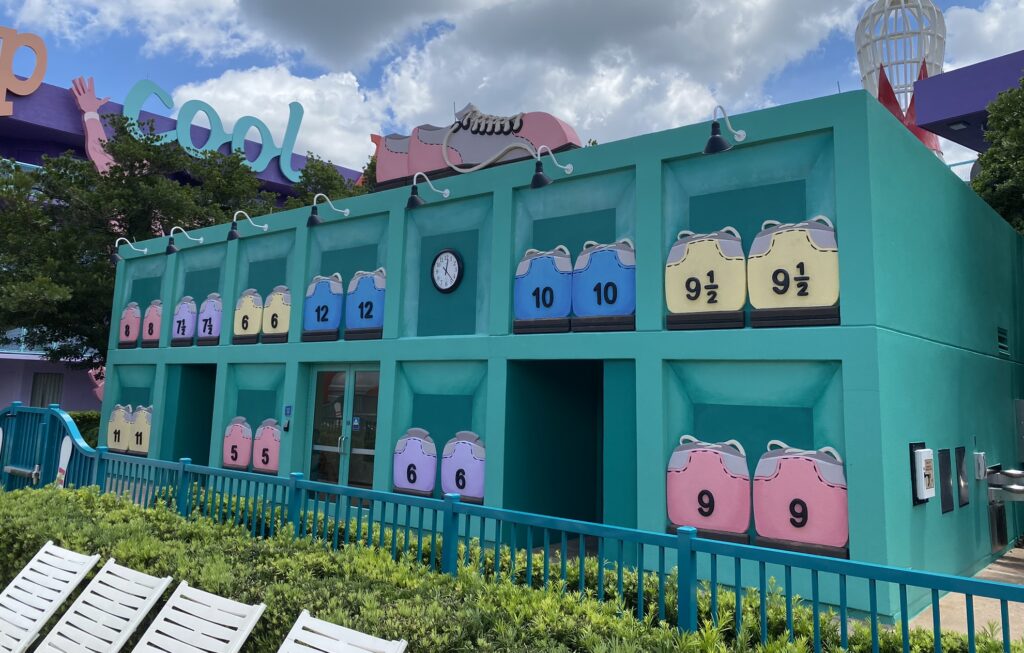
column 475, row 140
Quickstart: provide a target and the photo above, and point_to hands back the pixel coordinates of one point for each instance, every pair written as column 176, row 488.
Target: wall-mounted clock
column 447, row 270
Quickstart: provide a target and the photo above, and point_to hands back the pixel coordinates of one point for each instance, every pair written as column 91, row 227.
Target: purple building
column 26, row 376
column 954, row 105
column 49, row 123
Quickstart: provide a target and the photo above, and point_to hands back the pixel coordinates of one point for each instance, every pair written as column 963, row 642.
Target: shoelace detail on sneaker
column 485, row 123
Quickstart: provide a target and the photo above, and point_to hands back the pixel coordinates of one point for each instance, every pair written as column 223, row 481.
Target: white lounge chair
column 194, row 621
column 107, row 613
column 311, row 635
column 36, row 594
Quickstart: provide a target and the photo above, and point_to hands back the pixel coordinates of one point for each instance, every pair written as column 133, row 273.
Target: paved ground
column 1008, row 569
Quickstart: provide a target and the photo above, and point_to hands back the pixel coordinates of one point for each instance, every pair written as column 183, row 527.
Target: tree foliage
column 58, row 225
column 319, row 176
column 1001, row 180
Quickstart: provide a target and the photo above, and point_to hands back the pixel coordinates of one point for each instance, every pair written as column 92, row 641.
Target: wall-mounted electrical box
column 922, row 472
column 980, row 466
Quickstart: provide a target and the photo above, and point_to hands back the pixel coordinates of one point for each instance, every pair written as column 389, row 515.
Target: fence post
column 12, row 434
column 450, row 536
column 295, row 501
column 99, row 474
column 184, row 486
column 687, row 589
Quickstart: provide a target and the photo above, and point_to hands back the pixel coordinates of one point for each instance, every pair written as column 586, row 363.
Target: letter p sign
column 10, row 42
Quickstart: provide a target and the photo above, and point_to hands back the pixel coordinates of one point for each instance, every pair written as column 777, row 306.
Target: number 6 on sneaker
column 415, row 465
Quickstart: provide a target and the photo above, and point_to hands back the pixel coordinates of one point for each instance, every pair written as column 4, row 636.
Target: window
column 47, row 388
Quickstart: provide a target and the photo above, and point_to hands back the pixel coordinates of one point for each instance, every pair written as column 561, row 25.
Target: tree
column 370, row 174
column 58, row 226
column 319, row 176
column 1001, row 180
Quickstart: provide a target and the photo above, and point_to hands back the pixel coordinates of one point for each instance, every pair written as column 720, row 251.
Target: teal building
column 583, row 424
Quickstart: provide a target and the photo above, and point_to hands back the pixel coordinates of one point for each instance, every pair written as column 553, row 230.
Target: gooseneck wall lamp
column 540, row 180
column 717, row 143
column 233, row 232
column 414, row 194
column 171, row 249
column 116, row 258
column 314, row 214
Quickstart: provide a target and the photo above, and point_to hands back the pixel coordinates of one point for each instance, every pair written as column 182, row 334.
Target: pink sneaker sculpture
column 267, row 446
column 800, row 496
column 238, row 444
column 131, row 318
column 708, row 486
column 151, row 323
column 474, row 139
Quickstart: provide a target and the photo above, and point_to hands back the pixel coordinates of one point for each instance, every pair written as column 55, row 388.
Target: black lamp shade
column 115, row 258
column 540, row 180
column 171, row 249
column 717, row 142
column 233, row 232
column 414, row 198
column 314, row 217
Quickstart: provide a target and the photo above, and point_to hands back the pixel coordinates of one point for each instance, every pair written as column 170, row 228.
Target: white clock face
column 447, row 271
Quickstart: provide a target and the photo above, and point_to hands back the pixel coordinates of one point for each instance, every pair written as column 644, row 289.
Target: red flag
column 930, row 140
column 887, row 96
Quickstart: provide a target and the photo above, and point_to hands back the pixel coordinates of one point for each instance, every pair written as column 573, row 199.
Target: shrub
column 362, row 587
column 88, row 423
column 356, row 587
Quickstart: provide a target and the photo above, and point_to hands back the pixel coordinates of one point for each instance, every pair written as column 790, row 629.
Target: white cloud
column 993, row 29
column 629, row 68
column 613, row 70
column 339, row 115
column 209, row 29
column 956, row 153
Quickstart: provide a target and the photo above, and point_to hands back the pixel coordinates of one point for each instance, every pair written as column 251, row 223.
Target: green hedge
column 88, row 423
column 365, row 589
column 356, row 587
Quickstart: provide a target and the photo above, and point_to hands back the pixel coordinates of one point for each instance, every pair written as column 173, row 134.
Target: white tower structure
column 900, row 34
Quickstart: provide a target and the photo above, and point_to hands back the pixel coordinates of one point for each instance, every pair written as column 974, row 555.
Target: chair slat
column 107, row 613
column 310, row 635
column 193, row 621
column 37, row 592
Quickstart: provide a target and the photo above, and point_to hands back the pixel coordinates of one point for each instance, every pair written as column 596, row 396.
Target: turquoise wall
column 928, row 274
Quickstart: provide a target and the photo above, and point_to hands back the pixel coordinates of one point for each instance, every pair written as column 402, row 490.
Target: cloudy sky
column 612, row 70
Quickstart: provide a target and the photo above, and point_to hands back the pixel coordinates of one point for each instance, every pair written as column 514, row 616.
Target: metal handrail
column 262, row 503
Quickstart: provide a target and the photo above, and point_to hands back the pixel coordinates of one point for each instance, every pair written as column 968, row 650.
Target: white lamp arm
column 444, row 192
column 540, row 151
column 344, row 212
column 130, row 244
column 185, row 233
column 264, row 227
column 740, row 135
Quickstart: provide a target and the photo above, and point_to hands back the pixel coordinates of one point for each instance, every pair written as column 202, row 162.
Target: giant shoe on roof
column 475, row 140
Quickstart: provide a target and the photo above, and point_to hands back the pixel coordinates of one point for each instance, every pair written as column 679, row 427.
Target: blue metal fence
column 652, row 575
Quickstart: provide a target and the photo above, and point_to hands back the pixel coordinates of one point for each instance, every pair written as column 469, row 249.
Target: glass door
column 328, row 426
column 344, row 426
column 362, row 437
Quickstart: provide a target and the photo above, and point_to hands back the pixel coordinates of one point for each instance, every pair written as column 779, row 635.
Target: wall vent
column 1002, row 342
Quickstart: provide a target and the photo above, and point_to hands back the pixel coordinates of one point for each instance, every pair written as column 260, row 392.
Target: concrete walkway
column 952, row 607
